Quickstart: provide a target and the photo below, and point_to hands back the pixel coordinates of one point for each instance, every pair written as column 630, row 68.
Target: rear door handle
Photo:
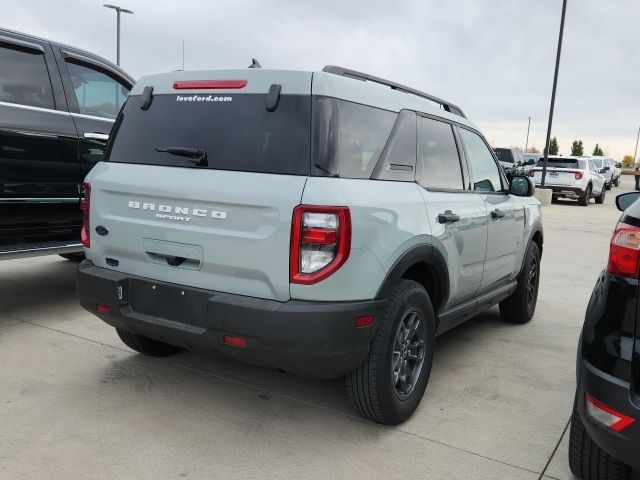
column 102, row 137
column 497, row 214
column 448, row 217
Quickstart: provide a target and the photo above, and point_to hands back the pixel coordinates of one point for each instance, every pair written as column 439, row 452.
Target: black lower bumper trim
column 618, row 395
column 317, row 339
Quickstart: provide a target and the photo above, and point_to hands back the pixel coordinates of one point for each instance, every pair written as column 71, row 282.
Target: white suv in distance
column 609, row 170
column 577, row 178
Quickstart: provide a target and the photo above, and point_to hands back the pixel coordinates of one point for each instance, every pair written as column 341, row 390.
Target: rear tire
column 587, row 460
column 600, row 198
column 608, row 186
column 521, row 305
column 584, row 199
column 147, row 346
column 388, row 386
column 74, row 257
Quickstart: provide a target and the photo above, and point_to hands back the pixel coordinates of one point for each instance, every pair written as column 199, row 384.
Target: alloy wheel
column 408, row 353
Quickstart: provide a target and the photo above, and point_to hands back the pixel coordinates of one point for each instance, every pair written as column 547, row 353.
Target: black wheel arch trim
column 424, row 253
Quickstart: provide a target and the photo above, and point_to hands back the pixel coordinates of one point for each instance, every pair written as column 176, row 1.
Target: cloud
column 493, row 58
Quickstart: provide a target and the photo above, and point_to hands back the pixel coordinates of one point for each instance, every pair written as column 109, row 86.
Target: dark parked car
column 57, row 106
column 605, row 433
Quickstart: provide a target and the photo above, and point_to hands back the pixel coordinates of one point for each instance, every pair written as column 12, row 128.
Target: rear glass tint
column 236, row 132
column 559, row 163
column 504, row 155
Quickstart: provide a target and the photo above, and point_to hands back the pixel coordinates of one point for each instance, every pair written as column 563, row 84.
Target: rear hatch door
column 222, row 224
column 560, row 172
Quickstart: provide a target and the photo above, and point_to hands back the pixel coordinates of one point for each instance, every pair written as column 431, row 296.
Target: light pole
column 526, row 145
column 553, row 94
column 118, row 11
column 636, row 152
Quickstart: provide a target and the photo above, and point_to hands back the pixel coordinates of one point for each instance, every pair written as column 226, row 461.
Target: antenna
column 255, row 64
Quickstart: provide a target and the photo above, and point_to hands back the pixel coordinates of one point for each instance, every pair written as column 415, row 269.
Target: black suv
column 57, row 106
column 605, row 433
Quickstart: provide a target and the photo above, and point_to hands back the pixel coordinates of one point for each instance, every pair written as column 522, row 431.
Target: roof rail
column 365, row 77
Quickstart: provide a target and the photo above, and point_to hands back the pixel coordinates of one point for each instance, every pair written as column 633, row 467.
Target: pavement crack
column 555, row 450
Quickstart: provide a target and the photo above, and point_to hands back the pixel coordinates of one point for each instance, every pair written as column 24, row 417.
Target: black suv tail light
column 624, row 251
column 320, row 242
column 85, row 203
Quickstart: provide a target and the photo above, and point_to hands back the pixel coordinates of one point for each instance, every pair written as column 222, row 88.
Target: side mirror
column 606, row 169
column 531, row 162
column 602, row 170
column 522, row 186
column 625, row 200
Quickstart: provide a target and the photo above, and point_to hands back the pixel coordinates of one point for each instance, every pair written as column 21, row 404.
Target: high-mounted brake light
column 85, row 203
column 320, row 242
column 209, row 84
column 624, row 251
column 606, row 415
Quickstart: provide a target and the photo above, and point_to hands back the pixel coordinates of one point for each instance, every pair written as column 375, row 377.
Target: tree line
column 577, row 148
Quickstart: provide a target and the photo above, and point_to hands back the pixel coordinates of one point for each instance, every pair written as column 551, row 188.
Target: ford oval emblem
column 102, row 230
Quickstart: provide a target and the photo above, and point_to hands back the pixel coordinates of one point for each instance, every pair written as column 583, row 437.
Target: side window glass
column 399, row 155
column 486, row 176
column 438, row 155
column 97, row 94
column 24, row 79
column 363, row 134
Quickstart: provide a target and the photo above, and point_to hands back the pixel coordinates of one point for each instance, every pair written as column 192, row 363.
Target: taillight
column 532, row 173
column 320, row 242
column 606, row 415
column 624, row 251
column 209, row 84
column 579, row 175
column 85, row 203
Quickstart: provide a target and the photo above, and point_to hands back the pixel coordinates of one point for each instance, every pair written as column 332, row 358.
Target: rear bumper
column 618, row 395
column 317, row 339
column 569, row 192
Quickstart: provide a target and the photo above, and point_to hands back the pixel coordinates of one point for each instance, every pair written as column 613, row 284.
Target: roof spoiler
column 365, row 77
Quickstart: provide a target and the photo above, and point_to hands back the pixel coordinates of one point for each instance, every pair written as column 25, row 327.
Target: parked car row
column 316, row 222
column 579, row 178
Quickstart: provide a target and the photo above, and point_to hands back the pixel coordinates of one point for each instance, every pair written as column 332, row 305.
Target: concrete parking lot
column 76, row 403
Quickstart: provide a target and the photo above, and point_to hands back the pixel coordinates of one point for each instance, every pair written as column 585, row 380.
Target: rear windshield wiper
column 196, row 155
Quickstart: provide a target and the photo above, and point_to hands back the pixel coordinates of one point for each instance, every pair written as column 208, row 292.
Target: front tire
column 521, row 305
column 587, row 460
column 608, row 186
column 147, row 346
column 388, row 387
column 600, row 198
column 616, row 182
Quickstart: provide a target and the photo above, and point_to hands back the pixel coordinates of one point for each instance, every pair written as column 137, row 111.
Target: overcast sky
column 494, row 58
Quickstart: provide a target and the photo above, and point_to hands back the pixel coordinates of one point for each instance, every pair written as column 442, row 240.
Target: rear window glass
column 363, row 133
column 559, row 163
column 236, row 132
column 504, row 155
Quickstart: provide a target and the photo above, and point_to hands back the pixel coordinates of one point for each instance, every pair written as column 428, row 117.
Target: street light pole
column 118, row 11
column 553, row 94
column 526, row 146
column 636, row 152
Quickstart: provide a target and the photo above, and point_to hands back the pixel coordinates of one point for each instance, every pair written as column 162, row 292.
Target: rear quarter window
column 363, row 133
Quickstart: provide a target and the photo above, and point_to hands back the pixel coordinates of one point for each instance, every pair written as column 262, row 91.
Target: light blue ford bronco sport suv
column 325, row 223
